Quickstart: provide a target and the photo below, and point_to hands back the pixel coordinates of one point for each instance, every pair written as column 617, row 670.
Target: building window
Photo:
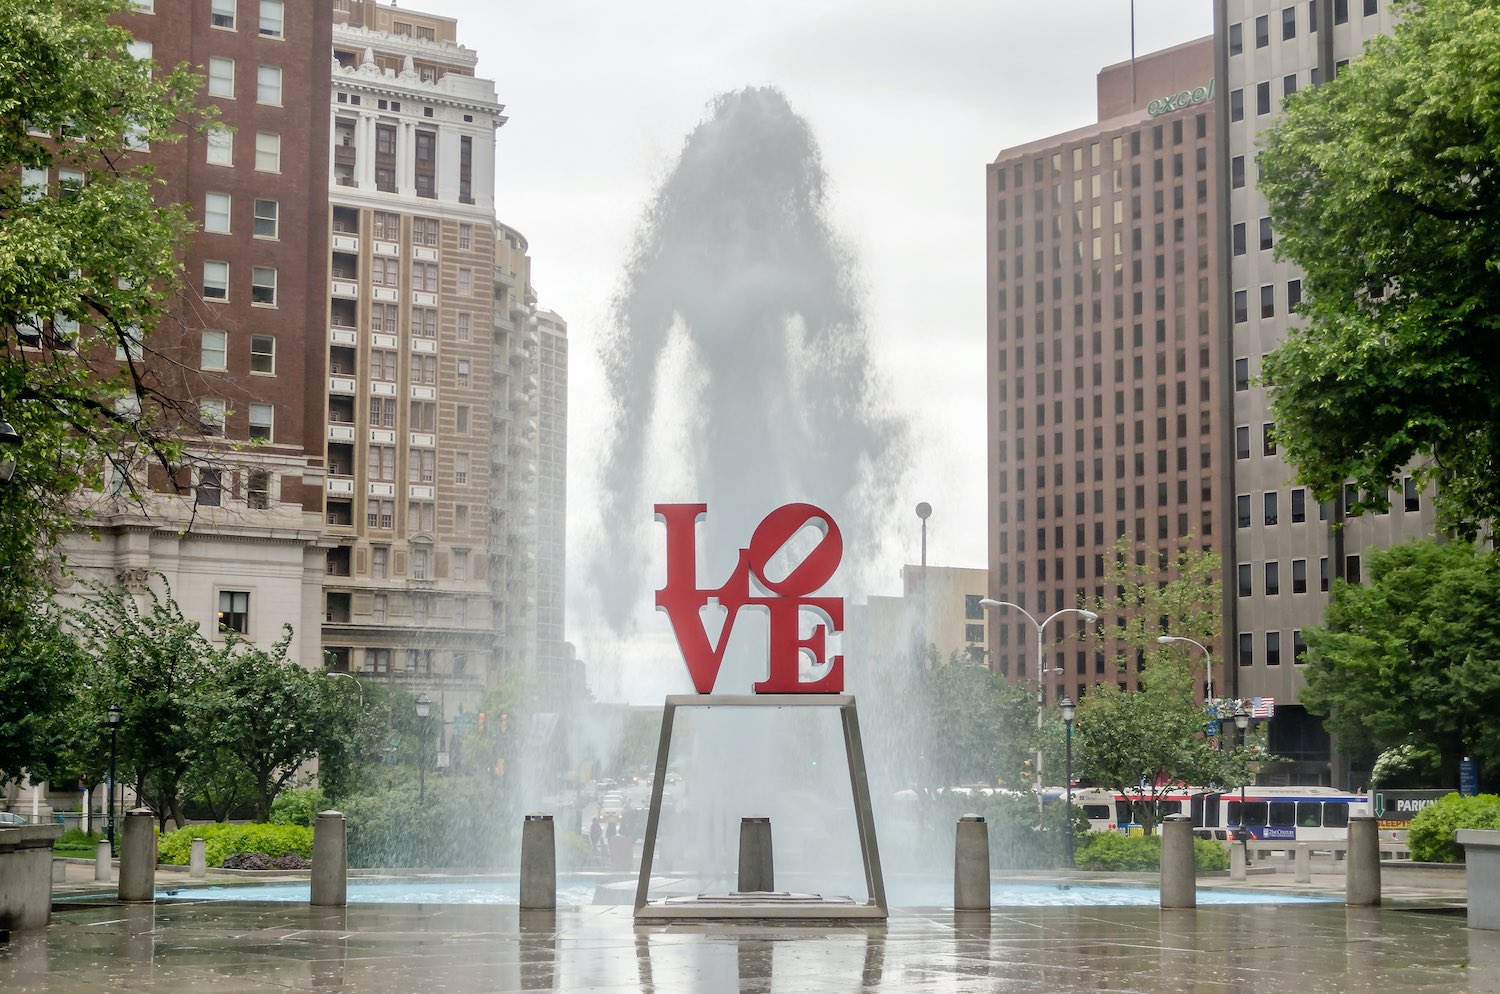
column 1299, row 647
column 266, row 218
column 263, row 354
column 1340, row 11
column 463, row 372
column 1242, row 374
column 258, row 490
column 1323, row 574
column 1237, row 172
column 1263, row 98
column 220, row 143
column 1268, row 301
column 424, row 276
column 1237, row 239
column 465, row 236
column 1273, row 648
column 423, row 416
column 419, row 517
column 1268, row 438
column 1288, row 85
column 262, row 417
column 461, row 417
column 234, row 611
column 381, row 464
column 465, row 281
column 378, row 609
column 1299, row 505
column 1273, row 578
column 268, row 85
column 425, row 231
column 379, row 561
column 1411, row 496
column 215, row 280
column 1242, row 510
column 1236, row 39
column 1288, row 23
column 1265, row 233
column 419, row 564
column 1241, row 307
column 215, row 349
column 1244, row 583
column 267, row 152
column 263, row 285
column 1271, row 507
column 221, row 77
column 1299, row 576
column 425, row 163
column 1351, row 569
column 1371, row 7
column 461, row 468
column 463, row 326
column 1247, row 649
column 1242, row 442
column 216, row 213
column 1236, row 105
column 460, row 564
column 211, row 417
column 222, row 14
column 380, row 514
column 272, row 18
column 1293, row 294
column 1262, row 31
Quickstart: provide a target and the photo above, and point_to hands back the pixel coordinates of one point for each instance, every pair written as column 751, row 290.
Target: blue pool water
column 580, row 891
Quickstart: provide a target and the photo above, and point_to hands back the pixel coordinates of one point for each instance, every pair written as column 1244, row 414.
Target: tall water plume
column 740, row 323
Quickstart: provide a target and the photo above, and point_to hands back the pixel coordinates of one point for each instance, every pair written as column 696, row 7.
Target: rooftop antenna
column 1132, row 52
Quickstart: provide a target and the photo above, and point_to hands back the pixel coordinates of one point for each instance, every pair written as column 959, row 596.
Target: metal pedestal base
column 773, row 904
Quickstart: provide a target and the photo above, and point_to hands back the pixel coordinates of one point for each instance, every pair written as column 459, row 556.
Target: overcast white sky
column 909, row 100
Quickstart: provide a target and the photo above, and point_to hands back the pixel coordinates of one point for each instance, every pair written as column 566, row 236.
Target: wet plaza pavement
column 231, row 948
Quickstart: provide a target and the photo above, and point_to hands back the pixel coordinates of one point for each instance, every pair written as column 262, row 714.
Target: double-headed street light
column 114, row 732
column 1069, row 712
column 1041, row 655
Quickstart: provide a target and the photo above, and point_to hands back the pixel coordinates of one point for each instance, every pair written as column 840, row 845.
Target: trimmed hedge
column 227, row 840
column 1114, row 852
column 1431, row 833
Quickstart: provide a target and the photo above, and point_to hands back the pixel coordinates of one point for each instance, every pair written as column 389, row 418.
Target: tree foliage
column 39, row 662
column 1384, row 187
column 1412, row 656
column 980, row 730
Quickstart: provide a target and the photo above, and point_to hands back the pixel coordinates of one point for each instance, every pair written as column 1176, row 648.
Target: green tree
column 1155, row 596
column 1384, row 188
column 156, row 665
column 979, row 729
column 36, row 691
column 1412, row 656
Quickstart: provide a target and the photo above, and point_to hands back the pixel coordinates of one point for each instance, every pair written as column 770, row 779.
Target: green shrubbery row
column 227, row 840
column 1112, row 851
column 1431, row 834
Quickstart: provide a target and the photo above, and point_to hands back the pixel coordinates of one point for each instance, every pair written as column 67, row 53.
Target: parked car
column 610, row 805
column 11, row 818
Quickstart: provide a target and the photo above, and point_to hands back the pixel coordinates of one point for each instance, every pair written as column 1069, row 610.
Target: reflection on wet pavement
column 243, row 947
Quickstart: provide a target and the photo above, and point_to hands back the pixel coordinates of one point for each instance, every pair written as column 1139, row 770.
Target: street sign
column 1468, row 777
column 463, row 723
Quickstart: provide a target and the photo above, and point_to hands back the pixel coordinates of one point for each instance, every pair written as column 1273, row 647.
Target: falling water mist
column 740, row 370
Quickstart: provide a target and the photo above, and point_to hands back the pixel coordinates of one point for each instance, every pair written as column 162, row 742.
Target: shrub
column 224, row 841
column 298, row 807
column 1431, row 834
column 1114, row 852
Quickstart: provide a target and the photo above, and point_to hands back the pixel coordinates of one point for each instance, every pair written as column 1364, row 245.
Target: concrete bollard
column 971, row 864
column 138, row 857
column 198, row 860
column 538, row 864
column 1179, row 872
column 102, row 862
column 1302, row 863
column 1362, row 874
column 59, row 871
column 757, row 863
column 1236, row 861
column 330, row 861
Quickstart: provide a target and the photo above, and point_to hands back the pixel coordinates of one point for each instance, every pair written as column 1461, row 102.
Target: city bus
column 1281, row 814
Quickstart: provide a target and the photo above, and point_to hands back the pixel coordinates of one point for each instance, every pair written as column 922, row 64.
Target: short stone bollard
column 1362, row 873
column 1302, row 863
column 757, row 862
column 971, row 864
column 138, row 857
column 330, row 861
column 59, row 871
column 198, row 860
column 538, row 864
column 1179, row 872
column 1236, row 861
column 1482, row 876
column 102, row 862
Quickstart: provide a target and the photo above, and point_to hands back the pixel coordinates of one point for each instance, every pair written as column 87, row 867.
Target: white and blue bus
column 1281, row 814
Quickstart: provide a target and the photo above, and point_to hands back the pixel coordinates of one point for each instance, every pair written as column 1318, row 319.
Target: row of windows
column 218, row 210
column 421, row 464
column 225, row 15
column 1267, row 301
column 1245, row 576
column 1272, row 645
column 220, row 144
column 1095, row 152
column 1094, row 221
column 1116, row 185
column 1289, row 23
column 216, row 283
column 1410, row 502
column 221, row 73
column 262, row 418
column 214, row 483
column 1163, row 532
column 214, row 355
column 1137, row 365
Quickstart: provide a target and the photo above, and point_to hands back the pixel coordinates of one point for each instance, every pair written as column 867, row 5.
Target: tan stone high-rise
column 1105, row 368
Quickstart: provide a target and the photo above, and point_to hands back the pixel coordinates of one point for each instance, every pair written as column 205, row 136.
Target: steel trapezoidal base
column 768, row 905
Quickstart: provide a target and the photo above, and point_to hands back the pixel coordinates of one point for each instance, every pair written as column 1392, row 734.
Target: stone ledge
column 16, row 837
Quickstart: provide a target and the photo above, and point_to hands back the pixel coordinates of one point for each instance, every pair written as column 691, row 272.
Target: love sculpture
column 751, row 584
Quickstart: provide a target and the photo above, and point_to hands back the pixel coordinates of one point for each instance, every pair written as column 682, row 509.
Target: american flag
column 1264, row 707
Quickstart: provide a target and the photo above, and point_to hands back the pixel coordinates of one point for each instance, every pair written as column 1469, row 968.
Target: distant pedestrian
column 596, row 832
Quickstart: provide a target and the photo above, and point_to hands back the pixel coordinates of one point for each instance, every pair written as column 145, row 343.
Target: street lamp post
column 1041, row 657
column 1069, row 712
column 1242, row 722
column 350, row 676
column 114, row 732
column 924, row 511
column 424, row 708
